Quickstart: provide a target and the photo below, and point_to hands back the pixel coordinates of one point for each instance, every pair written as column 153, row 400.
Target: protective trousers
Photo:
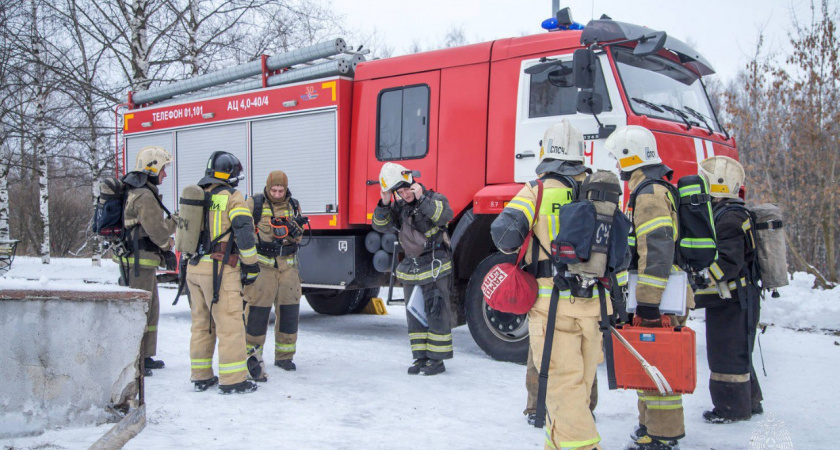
column 146, row 279
column 223, row 320
column 435, row 340
column 281, row 289
column 733, row 384
column 663, row 415
column 575, row 352
column 532, row 383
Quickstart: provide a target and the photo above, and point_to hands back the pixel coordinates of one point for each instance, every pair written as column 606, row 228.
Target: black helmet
column 224, row 167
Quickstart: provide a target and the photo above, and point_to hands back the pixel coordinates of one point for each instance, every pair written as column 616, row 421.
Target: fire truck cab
column 467, row 120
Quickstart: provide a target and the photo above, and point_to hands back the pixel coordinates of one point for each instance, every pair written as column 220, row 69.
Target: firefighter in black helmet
column 215, row 280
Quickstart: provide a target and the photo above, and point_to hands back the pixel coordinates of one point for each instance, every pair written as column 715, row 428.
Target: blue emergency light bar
column 551, row 25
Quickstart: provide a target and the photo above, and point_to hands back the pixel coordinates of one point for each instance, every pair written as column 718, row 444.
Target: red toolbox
column 672, row 350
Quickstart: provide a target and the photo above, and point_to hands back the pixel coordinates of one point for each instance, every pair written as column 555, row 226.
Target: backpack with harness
column 109, row 222
column 192, row 237
column 769, row 268
column 696, row 249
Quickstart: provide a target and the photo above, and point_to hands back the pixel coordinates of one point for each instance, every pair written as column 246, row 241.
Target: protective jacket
column 428, row 215
column 654, row 235
column 144, row 215
column 735, row 255
column 286, row 248
column 228, row 211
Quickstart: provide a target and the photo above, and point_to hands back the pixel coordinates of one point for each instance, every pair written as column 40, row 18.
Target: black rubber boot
column 417, row 365
column 648, row 443
column 433, row 367
column 532, row 419
column 286, row 364
column 147, row 372
column 640, row 431
column 714, row 416
column 244, row 387
column 203, row 385
column 153, row 363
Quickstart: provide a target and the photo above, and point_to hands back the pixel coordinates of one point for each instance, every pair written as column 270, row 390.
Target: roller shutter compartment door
column 195, row 147
column 133, row 144
column 305, row 147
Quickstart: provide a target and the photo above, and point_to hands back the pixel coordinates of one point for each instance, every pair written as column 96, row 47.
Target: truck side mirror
column 590, row 102
column 584, row 68
column 650, row 44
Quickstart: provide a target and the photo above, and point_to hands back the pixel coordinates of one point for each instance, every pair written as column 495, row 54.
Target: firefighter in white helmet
column 576, row 348
column 653, row 213
column 731, row 323
column 150, row 227
column 421, row 216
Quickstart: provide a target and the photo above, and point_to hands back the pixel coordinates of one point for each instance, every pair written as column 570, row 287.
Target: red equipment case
column 672, row 350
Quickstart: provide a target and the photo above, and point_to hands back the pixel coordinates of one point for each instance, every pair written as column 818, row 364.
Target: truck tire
column 501, row 335
column 338, row 303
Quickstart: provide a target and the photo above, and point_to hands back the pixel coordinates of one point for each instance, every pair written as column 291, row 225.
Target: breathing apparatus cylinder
column 595, row 189
column 190, row 219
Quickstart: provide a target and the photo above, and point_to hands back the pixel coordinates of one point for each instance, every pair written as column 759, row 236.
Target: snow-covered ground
column 351, row 390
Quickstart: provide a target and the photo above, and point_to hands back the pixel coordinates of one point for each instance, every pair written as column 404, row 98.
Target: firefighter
column 421, row 216
column 215, row 280
column 149, row 238
column 576, row 348
column 278, row 235
column 731, row 322
column 661, row 421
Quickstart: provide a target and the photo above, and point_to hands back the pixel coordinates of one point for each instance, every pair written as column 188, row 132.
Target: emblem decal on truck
column 311, row 94
column 342, row 246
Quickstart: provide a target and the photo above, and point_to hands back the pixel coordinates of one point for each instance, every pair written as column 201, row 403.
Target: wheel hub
column 507, row 327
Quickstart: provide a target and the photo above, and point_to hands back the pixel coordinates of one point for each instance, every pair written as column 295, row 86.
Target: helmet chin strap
column 625, row 176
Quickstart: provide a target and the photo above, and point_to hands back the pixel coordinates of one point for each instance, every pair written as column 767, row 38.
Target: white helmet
column 633, row 146
column 394, row 176
column 151, row 160
column 562, row 141
column 724, row 175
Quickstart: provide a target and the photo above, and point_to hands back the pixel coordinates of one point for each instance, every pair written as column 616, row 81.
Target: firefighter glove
column 648, row 313
column 249, row 273
column 170, row 260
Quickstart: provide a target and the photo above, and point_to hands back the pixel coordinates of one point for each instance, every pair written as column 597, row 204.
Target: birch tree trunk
column 39, row 140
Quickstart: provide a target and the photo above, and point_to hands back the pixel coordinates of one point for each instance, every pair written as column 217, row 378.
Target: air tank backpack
column 767, row 238
column 108, row 215
column 507, row 287
column 771, row 251
column 696, row 249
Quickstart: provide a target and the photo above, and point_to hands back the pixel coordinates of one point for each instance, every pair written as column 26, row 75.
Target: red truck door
column 406, row 128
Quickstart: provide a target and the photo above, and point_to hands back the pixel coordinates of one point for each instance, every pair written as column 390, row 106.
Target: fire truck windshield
column 658, row 87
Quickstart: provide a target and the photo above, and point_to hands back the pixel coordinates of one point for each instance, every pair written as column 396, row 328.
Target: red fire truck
column 469, row 120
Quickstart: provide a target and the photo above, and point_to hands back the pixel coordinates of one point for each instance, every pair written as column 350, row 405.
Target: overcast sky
column 724, row 31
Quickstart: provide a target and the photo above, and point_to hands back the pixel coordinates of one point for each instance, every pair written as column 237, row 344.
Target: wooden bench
column 7, row 255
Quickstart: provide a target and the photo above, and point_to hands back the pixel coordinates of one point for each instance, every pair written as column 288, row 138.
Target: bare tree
column 786, row 117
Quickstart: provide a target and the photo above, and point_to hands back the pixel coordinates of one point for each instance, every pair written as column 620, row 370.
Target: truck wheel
column 501, row 335
column 338, row 303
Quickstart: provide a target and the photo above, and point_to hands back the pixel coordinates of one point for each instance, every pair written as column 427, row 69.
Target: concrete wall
column 67, row 357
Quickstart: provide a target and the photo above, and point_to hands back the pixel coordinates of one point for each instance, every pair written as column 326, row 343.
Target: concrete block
column 69, row 357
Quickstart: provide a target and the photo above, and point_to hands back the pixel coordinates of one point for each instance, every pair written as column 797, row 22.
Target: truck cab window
column 553, row 93
column 402, row 130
